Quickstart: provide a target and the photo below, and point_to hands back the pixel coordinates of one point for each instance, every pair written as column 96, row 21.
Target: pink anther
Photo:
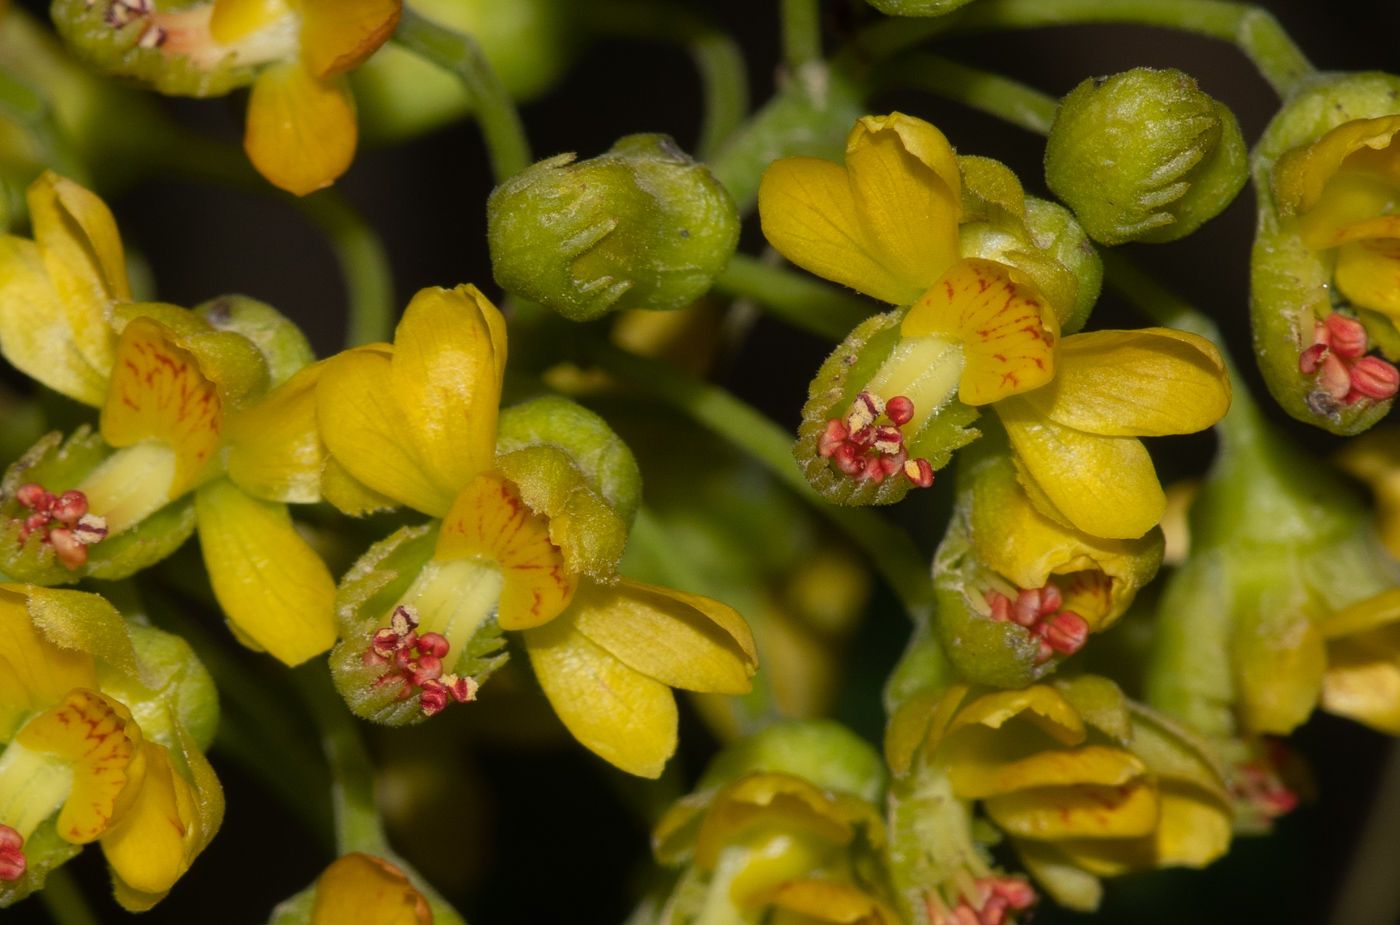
column 1000, row 604
column 832, row 438
column 68, row 548
column 434, row 644
column 1051, row 600
column 1066, row 632
column 12, row 859
column 919, row 472
column 1026, row 610
column 31, row 495
column 1374, row 378
column 1310, row 359
column 70, row 507
column 434, row 697
column 899, row 410
column 1347, row 336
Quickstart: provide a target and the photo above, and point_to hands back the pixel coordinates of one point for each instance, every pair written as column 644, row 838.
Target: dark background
column 538, row 829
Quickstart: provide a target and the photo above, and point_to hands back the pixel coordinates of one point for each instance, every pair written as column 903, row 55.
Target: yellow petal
column 1041, row 704
column 1147, row 383
column 809, row 214
column 148, row 847
column 449, row 355
column 348, row 493
column 82, row 252
column 682, row 640
column 1368, row 614
column 357, row 889
column 904, row 183
column 982, row 763
column 1302, row 174
column 270, row 583
column 301, row 131
column 1084, row 811
column 616, row 712
column 35, row 673
column 1280, row 666
column 1007, row 330
column 275, row 447
column 1368, row 274
column 1194, row 828
column 363, row 427
column 234, row 20
column 784, row 802
column 91, row 732
column 35, row 333
column 488, row 519
column 1362, row 686
column 831, row 901
column 1105, row 486
column 157, row 390
column 337, row 35
column 908, row 728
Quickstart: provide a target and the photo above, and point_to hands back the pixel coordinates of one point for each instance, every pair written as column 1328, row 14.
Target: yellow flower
column 981, row 331
column 77, row 767
column 301, row 131
column 527, row 541
column 167, row 383
column 359, row 889
column 1086, row 783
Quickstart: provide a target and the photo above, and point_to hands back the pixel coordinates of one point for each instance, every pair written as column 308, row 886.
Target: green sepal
column 1067, row 883
column 282, row 344
column 173, row 689
column 44, row 850
column 839, row 380
column 641, row 226
column 931, row 838
column 1174, row 751
column 1382, row 332
column 115, row 52
column 59, row 465
column 1290, row 285
column 365, row 596
column 235, row 364
column 1144, row 155
column 822, row 751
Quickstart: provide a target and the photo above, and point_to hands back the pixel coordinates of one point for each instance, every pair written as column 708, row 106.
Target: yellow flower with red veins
column 978, row 332
column 168, row 382
column 360, row 889
column 534, row 504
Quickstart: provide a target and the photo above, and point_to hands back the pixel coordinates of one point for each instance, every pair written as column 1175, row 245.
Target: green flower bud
column 282, row 344
column 1144, row 156
column 642, row 226
column 917, row 7
column 399, row 95
column 822, row 751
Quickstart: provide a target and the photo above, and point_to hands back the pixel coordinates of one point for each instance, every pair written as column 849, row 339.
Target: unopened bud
column 642, row 226
column 1144, row 156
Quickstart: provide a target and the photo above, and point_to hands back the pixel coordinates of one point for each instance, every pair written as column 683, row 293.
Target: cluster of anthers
column 121, row 13
column 865, row 449
column 417, row 663
column 984, row 901
column 1345, row 374
column 1038, row 610
column 12, row 860
column 64, row 521
column 1257, row 783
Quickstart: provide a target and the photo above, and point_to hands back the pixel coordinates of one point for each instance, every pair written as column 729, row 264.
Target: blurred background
column 515, row 822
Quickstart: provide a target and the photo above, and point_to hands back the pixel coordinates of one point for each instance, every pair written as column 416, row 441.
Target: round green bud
column 1144, row 156
column 917, row 7
column 399, row 95
column 642, row 226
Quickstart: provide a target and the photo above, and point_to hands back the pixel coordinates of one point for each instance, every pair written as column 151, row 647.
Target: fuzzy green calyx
column 1144, row 155
column 641, row 226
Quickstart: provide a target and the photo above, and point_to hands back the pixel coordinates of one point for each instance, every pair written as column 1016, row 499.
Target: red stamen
column 919, row 472
column 1044, row 653
column 848, row 460
column 70, row 507
column 1026, row 611
column 831, row 438
column 12, row 859
column 429, row 669
column 1374, row 378
column 1310, row 359
column 1347, row 336
column 1333, row 378
column 31, row 495
column 462, row 689
column 70, row 550
column 1066, row 632
column 434, row 697
column 1000, row 604
column 873, row 470
column 888, row 439
column 899, row 410
column 1051, row 600
column 434, row 644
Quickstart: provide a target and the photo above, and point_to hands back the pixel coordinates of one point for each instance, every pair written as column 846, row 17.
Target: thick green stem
column 799, row 300
column 802, row 33
column 718, row 58
column 1253, row 30
column 890, row 549
column 64, row 900
column 506, row 143
column 990, row 93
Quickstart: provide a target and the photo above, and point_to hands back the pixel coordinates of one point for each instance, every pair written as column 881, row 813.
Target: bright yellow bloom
column 1084, row 782
column 887, row 224
column 415, row 423
column 358, row 889
column 76, row 767
column 168, row 383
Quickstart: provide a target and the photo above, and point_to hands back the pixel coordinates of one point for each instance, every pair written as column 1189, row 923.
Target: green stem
column 63, row 899
column 889, row 548
column 718, row 58
column 364, row 265
column 802, row 33
column 990, row 93
column 799, row 300
column 453, row 51
column 1252, row 29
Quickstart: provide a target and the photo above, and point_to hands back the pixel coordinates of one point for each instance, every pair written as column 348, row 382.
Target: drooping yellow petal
column 809, row 214
column 1368, row 274
column 363, row 427
column 157, row 390
column 1302, row 174
column 785, row 802
column 829, row 901
column 1040, row 703
column 301, row 131
column 1148, row 383
column 1084, row 811
column 904, row 183
column 1362, row 683
column 275, row 447
column 338, row 35
column 148, row 847
column 270, row 583
column 1007, row 330
column 682, row 640
column 982, row 764
column 35, row 673
column 82, row 252
column 35, row 334
column 358, row 889
column 618, row 713
column 1194, row 828
column 91, row 732
column 1106, row 486
column 449, row 355
column 234, row 20
column 1363, row 616
column 489, row 519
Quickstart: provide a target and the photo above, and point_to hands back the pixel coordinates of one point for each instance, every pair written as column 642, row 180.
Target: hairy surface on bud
column 1144, row 156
